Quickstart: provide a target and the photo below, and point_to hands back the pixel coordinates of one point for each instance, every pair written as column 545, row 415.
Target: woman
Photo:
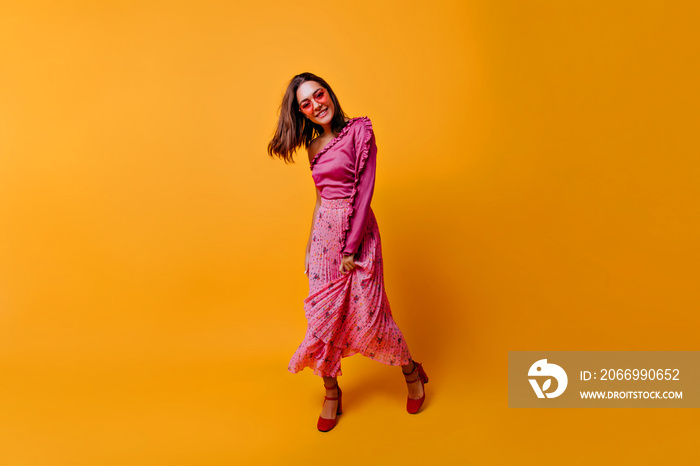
column 347, row 308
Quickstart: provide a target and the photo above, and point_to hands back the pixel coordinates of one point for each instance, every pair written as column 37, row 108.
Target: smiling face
column 315, row 102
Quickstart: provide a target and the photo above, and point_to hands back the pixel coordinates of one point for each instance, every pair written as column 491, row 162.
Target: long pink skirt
column 347, row 313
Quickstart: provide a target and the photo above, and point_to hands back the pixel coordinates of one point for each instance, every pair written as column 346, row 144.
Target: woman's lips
column 322, row 113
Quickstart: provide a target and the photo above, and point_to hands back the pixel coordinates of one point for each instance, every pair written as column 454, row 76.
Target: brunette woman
column 347, row 307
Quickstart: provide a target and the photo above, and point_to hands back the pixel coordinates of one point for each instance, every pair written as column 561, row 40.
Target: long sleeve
column 365, row 172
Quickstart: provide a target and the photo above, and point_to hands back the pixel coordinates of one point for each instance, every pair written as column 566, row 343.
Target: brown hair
column 293, row 128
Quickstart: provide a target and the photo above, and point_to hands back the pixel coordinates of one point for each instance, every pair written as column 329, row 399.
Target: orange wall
column 537, row 189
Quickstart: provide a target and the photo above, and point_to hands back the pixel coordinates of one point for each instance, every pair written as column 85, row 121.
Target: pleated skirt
column 347, row 313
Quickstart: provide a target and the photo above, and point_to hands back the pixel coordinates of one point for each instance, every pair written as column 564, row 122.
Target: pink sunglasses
column 320, row 96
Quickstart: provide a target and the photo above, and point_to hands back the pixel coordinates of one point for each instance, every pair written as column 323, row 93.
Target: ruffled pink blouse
column 346, row 167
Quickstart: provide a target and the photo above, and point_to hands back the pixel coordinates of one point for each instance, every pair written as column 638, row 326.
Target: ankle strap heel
column 324, row 425
column 413, row 405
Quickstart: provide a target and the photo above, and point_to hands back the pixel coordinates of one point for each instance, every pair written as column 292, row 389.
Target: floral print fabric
column 347, row 313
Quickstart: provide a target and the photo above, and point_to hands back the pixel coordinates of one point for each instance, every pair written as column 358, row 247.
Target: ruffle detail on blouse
column 362, row 159
column 335, row 140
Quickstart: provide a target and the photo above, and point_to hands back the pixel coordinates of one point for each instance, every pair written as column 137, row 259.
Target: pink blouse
column 348, row 170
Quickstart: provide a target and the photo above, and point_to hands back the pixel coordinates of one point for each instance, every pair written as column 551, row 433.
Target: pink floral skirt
column 347, row 313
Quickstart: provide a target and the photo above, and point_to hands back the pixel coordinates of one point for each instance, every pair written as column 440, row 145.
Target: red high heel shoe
column 413, row 405
column 324, row 425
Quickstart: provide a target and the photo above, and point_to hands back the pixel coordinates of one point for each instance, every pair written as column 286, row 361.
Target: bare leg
column 330, row 406
column 415, row 389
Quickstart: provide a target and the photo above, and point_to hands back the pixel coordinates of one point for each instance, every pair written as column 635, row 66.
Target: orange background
column 537, row 189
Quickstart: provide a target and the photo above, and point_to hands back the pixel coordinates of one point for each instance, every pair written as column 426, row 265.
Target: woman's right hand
column 306, row 263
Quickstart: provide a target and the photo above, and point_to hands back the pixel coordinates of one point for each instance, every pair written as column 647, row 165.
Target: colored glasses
column 320, row 96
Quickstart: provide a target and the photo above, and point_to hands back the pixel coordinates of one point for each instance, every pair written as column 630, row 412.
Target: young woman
column 347, row 308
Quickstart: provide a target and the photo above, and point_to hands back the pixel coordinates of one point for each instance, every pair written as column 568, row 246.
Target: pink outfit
column 347, row 313
column 338, row 175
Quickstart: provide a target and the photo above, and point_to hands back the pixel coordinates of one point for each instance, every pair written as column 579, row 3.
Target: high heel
column 324, row 425
column 413, row 405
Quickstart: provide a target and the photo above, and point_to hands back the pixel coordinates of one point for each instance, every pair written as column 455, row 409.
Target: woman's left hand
column 347, row 263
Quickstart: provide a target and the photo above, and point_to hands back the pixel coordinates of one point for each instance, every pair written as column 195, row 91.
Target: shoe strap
column 329, row 398
column 415, row 366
